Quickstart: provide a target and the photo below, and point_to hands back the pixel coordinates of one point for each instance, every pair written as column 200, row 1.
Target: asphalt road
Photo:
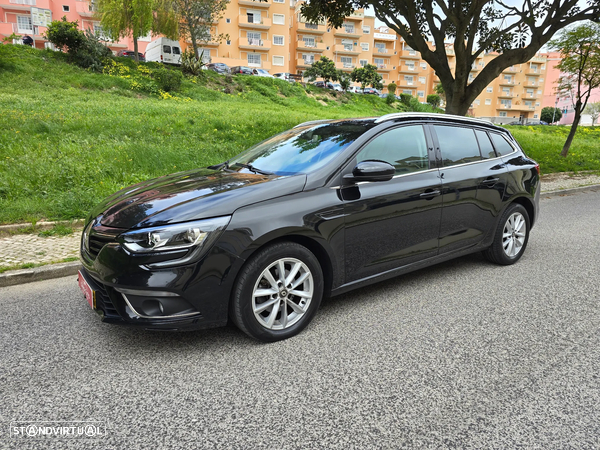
column 462, row 355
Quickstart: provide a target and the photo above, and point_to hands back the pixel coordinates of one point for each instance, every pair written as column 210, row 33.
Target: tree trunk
column 135, row 49
column 457, row 103
column 573, row 130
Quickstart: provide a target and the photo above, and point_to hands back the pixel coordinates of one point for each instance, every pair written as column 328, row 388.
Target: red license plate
column 88, row 292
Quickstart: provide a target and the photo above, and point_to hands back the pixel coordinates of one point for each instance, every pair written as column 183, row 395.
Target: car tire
column 511, row 237
column 269, row 307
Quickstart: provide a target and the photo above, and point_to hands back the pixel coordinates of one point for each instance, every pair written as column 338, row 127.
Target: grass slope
column 69, row 137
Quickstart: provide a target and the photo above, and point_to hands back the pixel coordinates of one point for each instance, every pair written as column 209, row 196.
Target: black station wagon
column 315, row 211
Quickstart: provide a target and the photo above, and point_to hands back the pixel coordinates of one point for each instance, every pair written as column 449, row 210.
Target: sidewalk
column 19, row 249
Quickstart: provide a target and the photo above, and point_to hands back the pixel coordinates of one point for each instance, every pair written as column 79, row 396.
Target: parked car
column 261, row 73
column 355, row 89
column 370, row 90
column 131, row 54
column 318, row 210
column 164, row 50
column 287, row 76
column 322, row 84
column 337, row 87
column 219, row 68
column 241, row 70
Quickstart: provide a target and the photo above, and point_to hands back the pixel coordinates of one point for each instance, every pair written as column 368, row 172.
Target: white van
column 164, row 50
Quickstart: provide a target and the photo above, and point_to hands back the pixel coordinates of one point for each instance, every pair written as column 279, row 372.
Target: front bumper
column 189, row 297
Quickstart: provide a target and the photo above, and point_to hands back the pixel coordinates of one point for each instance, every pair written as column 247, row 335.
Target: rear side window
column 457, row 144
column 405, row 148
column 501, row 144
column 487, row 151
column 166, row 49
column 176, row 51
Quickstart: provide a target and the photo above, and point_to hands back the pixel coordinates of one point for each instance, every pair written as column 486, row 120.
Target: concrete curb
column 561, row 192
column 22, row 276
column 14, row 277
column 39, row 226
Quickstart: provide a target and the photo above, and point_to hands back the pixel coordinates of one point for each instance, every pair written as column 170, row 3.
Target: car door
column 472, row 186
column 393, row 223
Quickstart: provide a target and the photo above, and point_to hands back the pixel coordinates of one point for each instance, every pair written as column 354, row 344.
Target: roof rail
column 408, row 115
column 312, row 122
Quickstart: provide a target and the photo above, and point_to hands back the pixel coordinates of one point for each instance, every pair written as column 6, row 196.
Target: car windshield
column 303, row 149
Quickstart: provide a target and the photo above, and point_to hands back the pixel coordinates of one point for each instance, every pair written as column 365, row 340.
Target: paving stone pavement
column 30, row 248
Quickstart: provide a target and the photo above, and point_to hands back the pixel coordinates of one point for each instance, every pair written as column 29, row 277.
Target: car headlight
column 187, row 239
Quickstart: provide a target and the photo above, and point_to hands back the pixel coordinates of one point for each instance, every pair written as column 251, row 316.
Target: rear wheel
column 277, row 292
column 511, row 236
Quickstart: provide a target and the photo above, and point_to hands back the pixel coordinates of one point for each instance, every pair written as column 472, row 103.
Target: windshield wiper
column 223, row 165
column 253, row 169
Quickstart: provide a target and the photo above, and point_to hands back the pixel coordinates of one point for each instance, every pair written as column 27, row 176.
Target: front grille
column 98, row 237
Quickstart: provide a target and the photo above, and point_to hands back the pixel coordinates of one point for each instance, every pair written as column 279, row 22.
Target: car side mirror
column 371, row 170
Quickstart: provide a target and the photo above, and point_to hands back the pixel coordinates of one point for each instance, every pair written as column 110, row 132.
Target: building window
column 423, row 65
column 490, row 89
column 65, row 8
column 279, row 19
column 278, row 1
column 408, row 79
column 363, row 62
column 502, row 114
column 537, row 103
column 364, row 46
column 278, row 60
column 541, row 80
column 277, row 40
column 422, row 80
column 420, row 93
column 488, row 101
column 228, row 42
column 254, row 59
column 535, row 116
column 227, row 20
column 24, row 24
column 366, row 30
column 407, row 91
column 477, row 102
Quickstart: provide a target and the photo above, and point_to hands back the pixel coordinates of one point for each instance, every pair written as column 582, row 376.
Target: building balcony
column 310, row 47
column 505, row 95
column 515, row 108
column 406, row 55
column 384, row 37
column 347, row 49
column 8, row 28
column 348, row 32
column 531, row 73
column 532, row 84
column 408, row 70
column 263, row 65
column 405, row 84
column 383, row 67
column 254, row 44
column 507, row 83
column 382, row 51
column 510, row 70
column 85, row 9
column 303, row 63
column 255, row 3
column 310, row 28
column 263, row 24
column 347, row 67
column 355, row 16
column 24, row 5
column 530, row 96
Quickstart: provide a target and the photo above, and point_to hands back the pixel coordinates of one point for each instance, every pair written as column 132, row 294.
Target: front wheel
column 277, row 292
column 511, row 236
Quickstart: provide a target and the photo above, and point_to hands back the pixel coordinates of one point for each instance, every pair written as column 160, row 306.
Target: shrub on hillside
column 405, row 99
column 168, row 80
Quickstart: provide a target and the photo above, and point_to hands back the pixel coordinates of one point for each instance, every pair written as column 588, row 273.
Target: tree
column 323, row 68
column 196, row 18
column 344, row 79
column 580, row 70
column 392, row 88
column 475, row 27
column 593, row 109
column 367, row 76
column 434, row 100
column 550, row 114
column 65, row 35
column 136, row 18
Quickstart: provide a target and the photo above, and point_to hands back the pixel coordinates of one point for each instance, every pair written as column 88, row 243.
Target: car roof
column 411, row 116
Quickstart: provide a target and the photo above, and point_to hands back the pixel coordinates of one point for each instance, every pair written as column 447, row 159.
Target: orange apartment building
column 273, row 35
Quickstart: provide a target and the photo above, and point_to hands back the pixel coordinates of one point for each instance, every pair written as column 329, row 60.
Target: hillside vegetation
column 70, row 137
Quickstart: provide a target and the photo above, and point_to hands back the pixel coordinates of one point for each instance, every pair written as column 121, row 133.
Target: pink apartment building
column 19, row 17
column 565, row 104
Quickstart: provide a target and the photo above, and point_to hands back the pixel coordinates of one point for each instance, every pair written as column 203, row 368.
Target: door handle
column 429, row 194
column 490, row 181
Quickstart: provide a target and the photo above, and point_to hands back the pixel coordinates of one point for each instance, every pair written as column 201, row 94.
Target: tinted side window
column 487, row 151
column 501, row 144
column 176, row 51
column 457, row 144
column 405, row 148
column 166, row 49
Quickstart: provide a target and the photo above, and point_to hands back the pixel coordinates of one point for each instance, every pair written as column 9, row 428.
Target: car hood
column 191, row 195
